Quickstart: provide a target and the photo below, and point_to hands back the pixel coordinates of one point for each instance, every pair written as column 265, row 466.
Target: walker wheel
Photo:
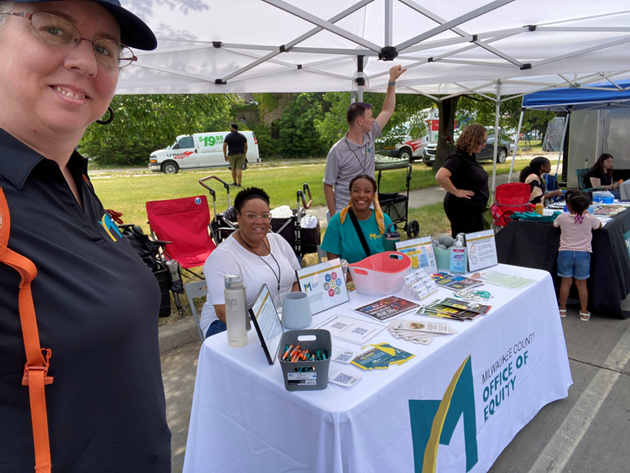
column 413, row 229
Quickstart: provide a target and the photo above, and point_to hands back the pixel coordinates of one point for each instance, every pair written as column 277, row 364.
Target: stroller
column 302, row 240
column 397, row 205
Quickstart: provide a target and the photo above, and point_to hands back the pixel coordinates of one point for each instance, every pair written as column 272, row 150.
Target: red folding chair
column 510, row 198
column 184, row 223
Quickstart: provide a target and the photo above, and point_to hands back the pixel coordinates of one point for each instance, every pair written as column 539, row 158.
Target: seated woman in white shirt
column 253, row 253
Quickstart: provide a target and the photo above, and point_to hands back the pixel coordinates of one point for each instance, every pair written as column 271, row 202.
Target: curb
column 178, row 334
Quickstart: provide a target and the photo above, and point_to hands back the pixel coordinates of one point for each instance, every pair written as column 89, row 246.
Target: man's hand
column 395, row 72
column 226, row 158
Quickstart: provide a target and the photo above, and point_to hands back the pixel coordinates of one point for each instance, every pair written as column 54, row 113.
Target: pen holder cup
column 295, row 374
column 296, row 311
column 442, row 259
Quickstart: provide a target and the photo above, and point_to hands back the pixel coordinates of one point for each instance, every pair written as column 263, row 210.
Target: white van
column 201, row 150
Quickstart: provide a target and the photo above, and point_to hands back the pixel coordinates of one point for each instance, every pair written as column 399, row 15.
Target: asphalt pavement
column 588, row 432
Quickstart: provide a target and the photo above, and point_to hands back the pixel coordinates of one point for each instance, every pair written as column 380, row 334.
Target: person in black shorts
column 466, row 182
column 235, row 151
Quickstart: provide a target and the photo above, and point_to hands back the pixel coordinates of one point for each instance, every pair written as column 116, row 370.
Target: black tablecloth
column 535, row 245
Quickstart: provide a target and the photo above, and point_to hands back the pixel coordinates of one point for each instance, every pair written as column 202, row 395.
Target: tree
column 298, row 135
column 334, row 125
column 144, row 123
column 446, row 144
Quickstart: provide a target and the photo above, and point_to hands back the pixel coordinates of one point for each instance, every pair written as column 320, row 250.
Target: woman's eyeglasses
column 61, row 33
column 251, row 217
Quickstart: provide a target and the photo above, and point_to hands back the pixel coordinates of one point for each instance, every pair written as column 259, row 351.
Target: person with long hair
column 601, row 175
column 465, row 182
column 342, row 238
column 251, row 252
column 532, row 175
column 90, row 397
column 574, row 256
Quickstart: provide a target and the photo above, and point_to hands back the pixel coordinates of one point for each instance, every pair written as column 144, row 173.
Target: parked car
column 428, row 155
column 409, row 150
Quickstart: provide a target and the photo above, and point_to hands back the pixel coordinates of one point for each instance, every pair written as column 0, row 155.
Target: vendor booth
column 454, row 406
column 598, row 119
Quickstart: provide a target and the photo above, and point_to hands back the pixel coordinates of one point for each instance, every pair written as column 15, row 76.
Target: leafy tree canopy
column 144, row 123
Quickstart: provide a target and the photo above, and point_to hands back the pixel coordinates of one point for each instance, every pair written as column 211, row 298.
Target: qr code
column 344, row 357
column 360, row 331
column 343, row 378
column 339, row 326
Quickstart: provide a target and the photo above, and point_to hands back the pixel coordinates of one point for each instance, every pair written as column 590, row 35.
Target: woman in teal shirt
column 341, row 238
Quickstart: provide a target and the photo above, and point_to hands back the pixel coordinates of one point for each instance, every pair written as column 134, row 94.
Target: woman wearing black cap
column 80, row 374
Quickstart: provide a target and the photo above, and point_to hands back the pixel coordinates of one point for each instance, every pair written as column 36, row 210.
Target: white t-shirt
column 231, row 258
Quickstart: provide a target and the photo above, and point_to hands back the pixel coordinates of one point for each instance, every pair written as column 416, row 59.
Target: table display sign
column 325, row 285
column 350, row 329
column 265, row 317
column 420, row 250
column 482, row 250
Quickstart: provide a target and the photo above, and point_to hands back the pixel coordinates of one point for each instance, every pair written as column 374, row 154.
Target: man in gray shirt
column 353, row 154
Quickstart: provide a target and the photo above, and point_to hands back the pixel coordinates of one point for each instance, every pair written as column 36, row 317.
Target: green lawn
column 128, row 192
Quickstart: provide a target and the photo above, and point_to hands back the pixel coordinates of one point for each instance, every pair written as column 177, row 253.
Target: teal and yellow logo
column 433, row 422
column 110, row 227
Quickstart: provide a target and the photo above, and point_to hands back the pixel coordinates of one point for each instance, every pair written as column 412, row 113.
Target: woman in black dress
column 466, row 182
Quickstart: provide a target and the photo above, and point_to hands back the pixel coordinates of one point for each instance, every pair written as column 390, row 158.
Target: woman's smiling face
column 53, row 90
column 362, row 194
column 253, row 220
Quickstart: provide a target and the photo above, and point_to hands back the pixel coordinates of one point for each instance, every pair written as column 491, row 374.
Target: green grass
column 128, row 193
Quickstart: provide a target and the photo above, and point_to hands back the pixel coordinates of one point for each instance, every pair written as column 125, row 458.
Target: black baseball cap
column 133, row 31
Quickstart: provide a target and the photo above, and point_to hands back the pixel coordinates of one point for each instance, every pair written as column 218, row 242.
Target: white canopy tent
column 451, row 47
column 501, row 47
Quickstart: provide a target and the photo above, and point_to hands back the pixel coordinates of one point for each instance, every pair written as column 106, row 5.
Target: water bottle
column 235, row 310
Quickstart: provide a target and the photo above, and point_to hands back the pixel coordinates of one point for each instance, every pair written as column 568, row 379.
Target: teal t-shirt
column 343, row 240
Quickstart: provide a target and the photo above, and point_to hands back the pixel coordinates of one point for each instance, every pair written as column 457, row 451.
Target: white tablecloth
column 243, row 419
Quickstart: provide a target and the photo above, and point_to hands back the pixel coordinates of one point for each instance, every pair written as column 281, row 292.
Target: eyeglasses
column 251, row 217
column 58, row 32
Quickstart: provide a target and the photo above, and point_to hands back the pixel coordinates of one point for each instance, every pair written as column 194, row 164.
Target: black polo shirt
column 468, row 174
column 236, row 143
column 97, row 309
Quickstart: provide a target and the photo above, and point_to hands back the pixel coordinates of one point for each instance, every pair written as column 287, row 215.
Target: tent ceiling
column 449, row 47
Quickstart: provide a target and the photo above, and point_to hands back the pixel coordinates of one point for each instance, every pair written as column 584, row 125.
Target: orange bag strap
column 37, row 359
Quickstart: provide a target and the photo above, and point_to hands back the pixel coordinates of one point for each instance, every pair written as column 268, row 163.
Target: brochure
column 350, row 329
column 453, row 282
column 324, row 284
column 381, row 357
column 419, row 331
column 471, row 306
column 387, row 308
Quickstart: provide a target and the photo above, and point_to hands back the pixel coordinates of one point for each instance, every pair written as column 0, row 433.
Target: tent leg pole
column 518, row 134
column 496, row 137
column 564, row 134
